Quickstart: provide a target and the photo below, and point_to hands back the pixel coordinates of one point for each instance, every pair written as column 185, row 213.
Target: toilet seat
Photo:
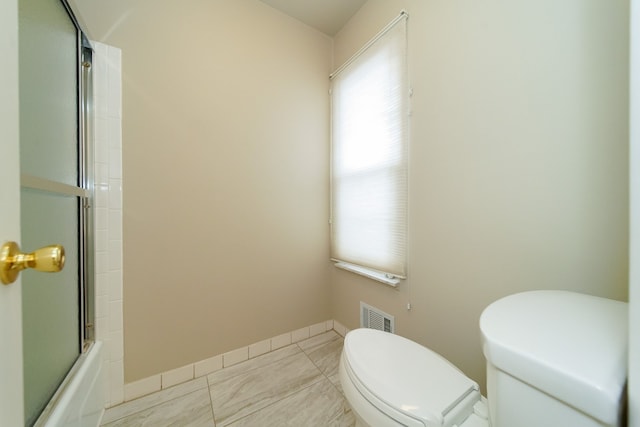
column 408, row 382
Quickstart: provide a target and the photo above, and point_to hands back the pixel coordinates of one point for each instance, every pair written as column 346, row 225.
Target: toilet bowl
column 554, row 358
column 389, row 380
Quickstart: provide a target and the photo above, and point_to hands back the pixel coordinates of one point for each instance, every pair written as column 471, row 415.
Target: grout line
column 213, row 413
column 317, row 367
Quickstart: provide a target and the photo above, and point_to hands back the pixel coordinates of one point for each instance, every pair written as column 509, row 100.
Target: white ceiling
column 328, row 16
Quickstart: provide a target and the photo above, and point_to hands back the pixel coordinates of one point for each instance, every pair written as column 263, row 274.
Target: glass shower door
column 52, row 196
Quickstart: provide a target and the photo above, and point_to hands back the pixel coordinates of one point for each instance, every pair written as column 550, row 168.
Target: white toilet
column 554, row 359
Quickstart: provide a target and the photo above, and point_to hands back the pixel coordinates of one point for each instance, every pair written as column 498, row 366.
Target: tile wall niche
column 107, row 78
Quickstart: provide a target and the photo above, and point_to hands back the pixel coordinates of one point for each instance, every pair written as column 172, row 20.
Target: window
column 369, row 136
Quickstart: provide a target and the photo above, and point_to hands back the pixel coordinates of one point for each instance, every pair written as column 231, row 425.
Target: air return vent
column 373, row 318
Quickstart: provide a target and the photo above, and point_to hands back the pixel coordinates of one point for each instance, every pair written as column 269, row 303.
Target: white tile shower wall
column 108, row 215
column 167, row 379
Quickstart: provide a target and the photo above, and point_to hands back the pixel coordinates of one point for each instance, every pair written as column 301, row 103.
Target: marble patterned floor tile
column 295, row 385
column 318, row 340
column 243, row 394
column 193, row 410
column 335, row 380
column 256, row 363
column 318, row 405
column 154, row 399
column 325, row 352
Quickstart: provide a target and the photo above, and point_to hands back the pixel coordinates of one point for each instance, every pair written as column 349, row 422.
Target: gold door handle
column 12, row 261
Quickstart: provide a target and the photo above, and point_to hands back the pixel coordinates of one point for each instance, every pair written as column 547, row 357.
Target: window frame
column 390, row 272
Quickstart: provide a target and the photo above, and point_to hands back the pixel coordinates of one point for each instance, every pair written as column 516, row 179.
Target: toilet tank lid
column 406, row 376
column 571, row 346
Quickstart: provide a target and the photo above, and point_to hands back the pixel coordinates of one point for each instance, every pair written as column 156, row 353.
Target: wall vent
column 374, row 318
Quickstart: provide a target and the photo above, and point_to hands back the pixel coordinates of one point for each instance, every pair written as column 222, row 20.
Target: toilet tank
column 555, row 358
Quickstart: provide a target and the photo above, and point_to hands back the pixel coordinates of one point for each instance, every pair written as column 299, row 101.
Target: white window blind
column 369, row 110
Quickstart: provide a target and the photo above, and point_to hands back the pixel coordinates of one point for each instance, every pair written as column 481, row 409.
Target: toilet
column 554, row 358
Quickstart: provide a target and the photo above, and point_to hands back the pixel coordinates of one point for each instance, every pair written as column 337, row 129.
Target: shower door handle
column 12, row 261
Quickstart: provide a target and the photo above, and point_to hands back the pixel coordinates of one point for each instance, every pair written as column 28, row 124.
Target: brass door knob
column 12, row 261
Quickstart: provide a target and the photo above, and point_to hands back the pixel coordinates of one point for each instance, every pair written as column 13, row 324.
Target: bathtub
column 80, row 400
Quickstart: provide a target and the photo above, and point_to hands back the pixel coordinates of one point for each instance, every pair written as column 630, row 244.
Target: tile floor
column 294, row 386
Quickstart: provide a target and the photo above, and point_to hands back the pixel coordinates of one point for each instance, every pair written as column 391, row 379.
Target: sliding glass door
column 55, row 196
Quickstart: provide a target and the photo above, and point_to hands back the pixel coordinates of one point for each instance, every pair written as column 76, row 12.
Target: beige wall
column 518, row 168
column 225, row 164
column 518, row 165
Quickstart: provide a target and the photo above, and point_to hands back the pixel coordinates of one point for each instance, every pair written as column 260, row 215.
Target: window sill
column 386, row 278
